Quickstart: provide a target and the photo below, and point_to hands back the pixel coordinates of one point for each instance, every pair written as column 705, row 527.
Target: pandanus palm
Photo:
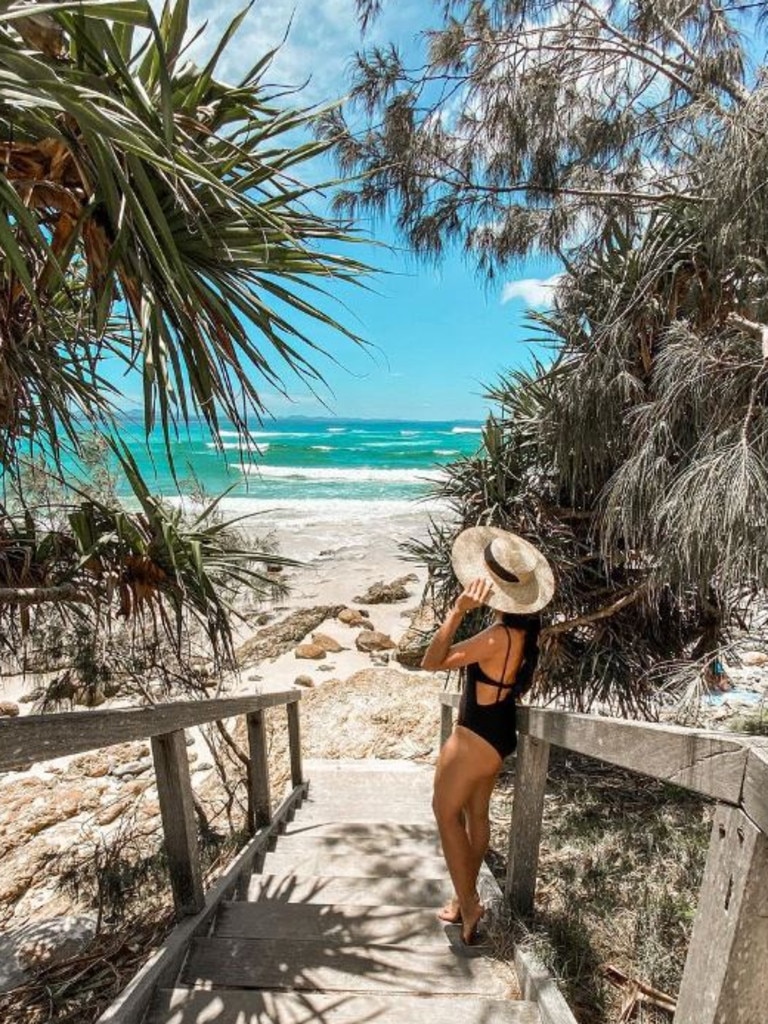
column 149, row 212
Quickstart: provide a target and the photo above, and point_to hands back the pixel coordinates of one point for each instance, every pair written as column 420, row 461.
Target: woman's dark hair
column 531, row 624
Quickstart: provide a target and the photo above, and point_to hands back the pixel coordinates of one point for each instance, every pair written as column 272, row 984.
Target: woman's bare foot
column 451, row 912
column 470, row 919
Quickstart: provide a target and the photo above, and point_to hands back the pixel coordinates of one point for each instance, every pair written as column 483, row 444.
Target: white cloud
column 534, row 291
column 322, row 38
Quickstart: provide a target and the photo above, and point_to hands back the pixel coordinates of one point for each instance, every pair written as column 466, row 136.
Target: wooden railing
column 35, row 738
column 724, row 980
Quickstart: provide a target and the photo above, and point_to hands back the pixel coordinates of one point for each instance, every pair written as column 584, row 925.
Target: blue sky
column 436, row 334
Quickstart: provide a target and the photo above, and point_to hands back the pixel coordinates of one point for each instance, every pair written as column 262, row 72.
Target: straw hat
column 521, row 577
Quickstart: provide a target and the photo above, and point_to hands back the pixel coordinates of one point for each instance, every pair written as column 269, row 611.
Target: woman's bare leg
column 466, row 763
column 477, row 822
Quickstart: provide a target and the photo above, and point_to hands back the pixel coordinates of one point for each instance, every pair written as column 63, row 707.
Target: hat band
column 497, row 568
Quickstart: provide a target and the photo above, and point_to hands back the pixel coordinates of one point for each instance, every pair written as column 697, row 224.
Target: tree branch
column 602, row 613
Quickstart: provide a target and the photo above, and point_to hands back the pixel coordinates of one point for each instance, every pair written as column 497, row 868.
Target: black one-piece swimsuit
column 496, row 722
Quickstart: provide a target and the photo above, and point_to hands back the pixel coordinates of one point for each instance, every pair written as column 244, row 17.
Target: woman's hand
column 475, row 593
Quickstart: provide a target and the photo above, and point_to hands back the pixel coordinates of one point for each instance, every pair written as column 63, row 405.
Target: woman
column 505, row 572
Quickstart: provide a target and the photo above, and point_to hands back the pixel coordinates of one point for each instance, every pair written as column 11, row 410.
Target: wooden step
column 360, row 892
column 342, row 923
column 318, row 965
column 341, row 810
column 368, row 833
column 222, row 1006
column 353, row 863
column 356, row 840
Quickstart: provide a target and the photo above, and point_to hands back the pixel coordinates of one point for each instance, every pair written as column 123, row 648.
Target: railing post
column 260, row 802
column 294, row 743
column 174, row 789
column 724, row 976
column 525, row 829
column 446, row 722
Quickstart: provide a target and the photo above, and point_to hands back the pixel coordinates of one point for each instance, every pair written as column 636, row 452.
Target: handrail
column 42, row 737
column 723, row 978
column 32, row 738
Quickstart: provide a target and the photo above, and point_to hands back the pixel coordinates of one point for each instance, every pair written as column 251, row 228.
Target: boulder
column 372, row 640
column 414, row 642
column 8, row 709
column 313, row 652
column 304, row 681
column 754, row 658
column 354, row 617
column 329, row 645
column 46, row 942
column 387, row 593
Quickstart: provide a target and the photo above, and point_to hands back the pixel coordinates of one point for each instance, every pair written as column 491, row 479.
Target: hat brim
column 468, row 559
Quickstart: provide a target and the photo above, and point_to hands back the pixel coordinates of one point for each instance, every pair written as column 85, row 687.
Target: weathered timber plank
column 705, row 762
column 163, row 967
column 294, row 743
column 409, row 814
column 306, row 965
column 368, row 892
column 362, row 832
column 301, row 844
column 260, row 800
column 538, row 986
column 525, row 829
column 755, row 794
column 177, row 811
column 33, row 738
column 340, row 923
column 354, row 863
column 724, row 981
column 446, row 722
column 192, row 1006
column 450, row 699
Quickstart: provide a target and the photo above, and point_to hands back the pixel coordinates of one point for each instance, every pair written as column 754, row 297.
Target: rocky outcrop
column 8, row 709
column 415, row 640
column 307, row 681
column 276, row 639
column 372, row 640
column 388, row 593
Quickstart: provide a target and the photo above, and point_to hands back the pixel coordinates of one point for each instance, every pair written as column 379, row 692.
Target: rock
column 204, row 766
column 414, row 642
column 113, row 810
column 8, row 709
column 329, row 645
column 46, row 942
column 304, row 680
column 754, row 658
column 313, row 652
column 368, row 641
column 326, row 668
column 122, row 771
column 354, row 617
column 380, row 659
column 387, row 593
column 274, row 640
column 274, row 568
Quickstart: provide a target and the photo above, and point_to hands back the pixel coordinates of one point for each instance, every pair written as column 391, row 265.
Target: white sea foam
column 321, row 448
column 237, row 446
column 333, row 474
column 409, row 433
column 447, row 451
column 467, row 430
column 336, row 430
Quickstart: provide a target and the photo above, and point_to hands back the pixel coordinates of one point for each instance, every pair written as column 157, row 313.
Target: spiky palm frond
column 176, row 193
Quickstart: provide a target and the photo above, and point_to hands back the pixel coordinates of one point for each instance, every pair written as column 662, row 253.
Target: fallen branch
column 638, row 992
column 601, row 613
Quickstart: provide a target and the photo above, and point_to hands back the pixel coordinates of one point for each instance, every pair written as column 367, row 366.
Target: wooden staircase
column 339, row 927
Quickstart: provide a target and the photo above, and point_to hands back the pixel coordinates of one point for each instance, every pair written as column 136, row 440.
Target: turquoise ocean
column 302, row 459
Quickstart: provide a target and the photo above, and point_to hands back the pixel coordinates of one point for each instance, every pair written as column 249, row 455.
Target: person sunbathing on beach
column 510, row 576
